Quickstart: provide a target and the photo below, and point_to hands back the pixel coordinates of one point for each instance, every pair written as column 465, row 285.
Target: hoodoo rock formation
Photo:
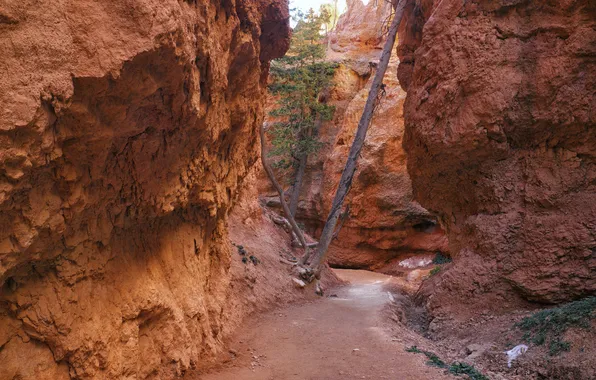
column 501, row 141
column 126, row 131
column 385, row 225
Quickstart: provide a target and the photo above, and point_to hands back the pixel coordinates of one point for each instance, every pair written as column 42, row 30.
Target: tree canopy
column 299, row 81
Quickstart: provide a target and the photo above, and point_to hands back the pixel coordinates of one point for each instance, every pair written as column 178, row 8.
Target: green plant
column 441, row 259
column 557, row 346
column 435, row 270
column 548, row 326
column 459, row 369
column 298, row 81
column 413, row 349
column 434, row 360
column 456, row 368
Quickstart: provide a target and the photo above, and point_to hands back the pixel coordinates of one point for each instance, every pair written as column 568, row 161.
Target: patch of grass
column 548, row 326
column 459, row 369
column 434, row 360
column 456, row 368
column 413, row 349
column 557, row 346
column 435, row 270
column 441, row 259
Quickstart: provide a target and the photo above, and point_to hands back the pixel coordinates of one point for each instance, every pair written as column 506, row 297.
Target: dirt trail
column 332, row 338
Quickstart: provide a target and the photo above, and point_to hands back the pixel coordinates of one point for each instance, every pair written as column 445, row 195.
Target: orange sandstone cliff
column 500, row 132
column 386, row 226
column 127, row 129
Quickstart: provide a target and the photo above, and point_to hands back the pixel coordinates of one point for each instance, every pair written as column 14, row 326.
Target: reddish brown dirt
column 482, row 340
column 342, row 337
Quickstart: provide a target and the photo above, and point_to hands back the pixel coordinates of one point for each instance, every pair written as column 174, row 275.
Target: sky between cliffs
column 305, row 5
column 315, row 4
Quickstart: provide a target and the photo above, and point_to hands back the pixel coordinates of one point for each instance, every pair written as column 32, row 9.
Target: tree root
column 304, row 275
column 319, row 288
column 296, row 243
column 289, row 262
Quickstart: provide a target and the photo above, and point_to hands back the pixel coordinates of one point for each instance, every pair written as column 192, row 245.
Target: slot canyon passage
column 140, row 237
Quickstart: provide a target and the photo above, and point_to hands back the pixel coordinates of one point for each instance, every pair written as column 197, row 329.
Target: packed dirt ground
column 344, row 335
column 374, row 318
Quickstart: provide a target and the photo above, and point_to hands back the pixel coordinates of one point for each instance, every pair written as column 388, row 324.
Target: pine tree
column 299, row 81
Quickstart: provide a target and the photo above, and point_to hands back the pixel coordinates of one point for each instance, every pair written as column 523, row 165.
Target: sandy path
column 332, row 338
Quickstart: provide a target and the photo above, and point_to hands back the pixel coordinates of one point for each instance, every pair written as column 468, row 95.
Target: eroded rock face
column 501, row 141
column 386, row 226
column 126, row 130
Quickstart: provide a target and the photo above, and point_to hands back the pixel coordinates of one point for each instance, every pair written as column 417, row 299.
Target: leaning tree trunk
column 295, row 196
column 302, row 161
column 345, row 183
column 280, row 191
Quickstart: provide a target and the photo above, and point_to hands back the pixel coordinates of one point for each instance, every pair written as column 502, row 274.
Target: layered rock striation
column 500, row 132
column 126, row 131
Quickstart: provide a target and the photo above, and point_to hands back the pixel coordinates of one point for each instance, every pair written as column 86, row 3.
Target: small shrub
column 466, row 369
column 550, row 325
column 456, row 368
column 435, row 270
column 241, row 250
column 441, row 259
column 558, row 346
column 434, row 360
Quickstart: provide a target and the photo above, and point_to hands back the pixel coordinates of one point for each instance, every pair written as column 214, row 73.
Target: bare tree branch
column 280, row 191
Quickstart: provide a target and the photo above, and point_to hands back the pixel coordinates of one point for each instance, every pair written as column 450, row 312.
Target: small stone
column 299, row 283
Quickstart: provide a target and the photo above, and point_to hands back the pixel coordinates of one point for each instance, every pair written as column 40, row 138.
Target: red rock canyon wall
column 126, row 131
column 500, row 123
